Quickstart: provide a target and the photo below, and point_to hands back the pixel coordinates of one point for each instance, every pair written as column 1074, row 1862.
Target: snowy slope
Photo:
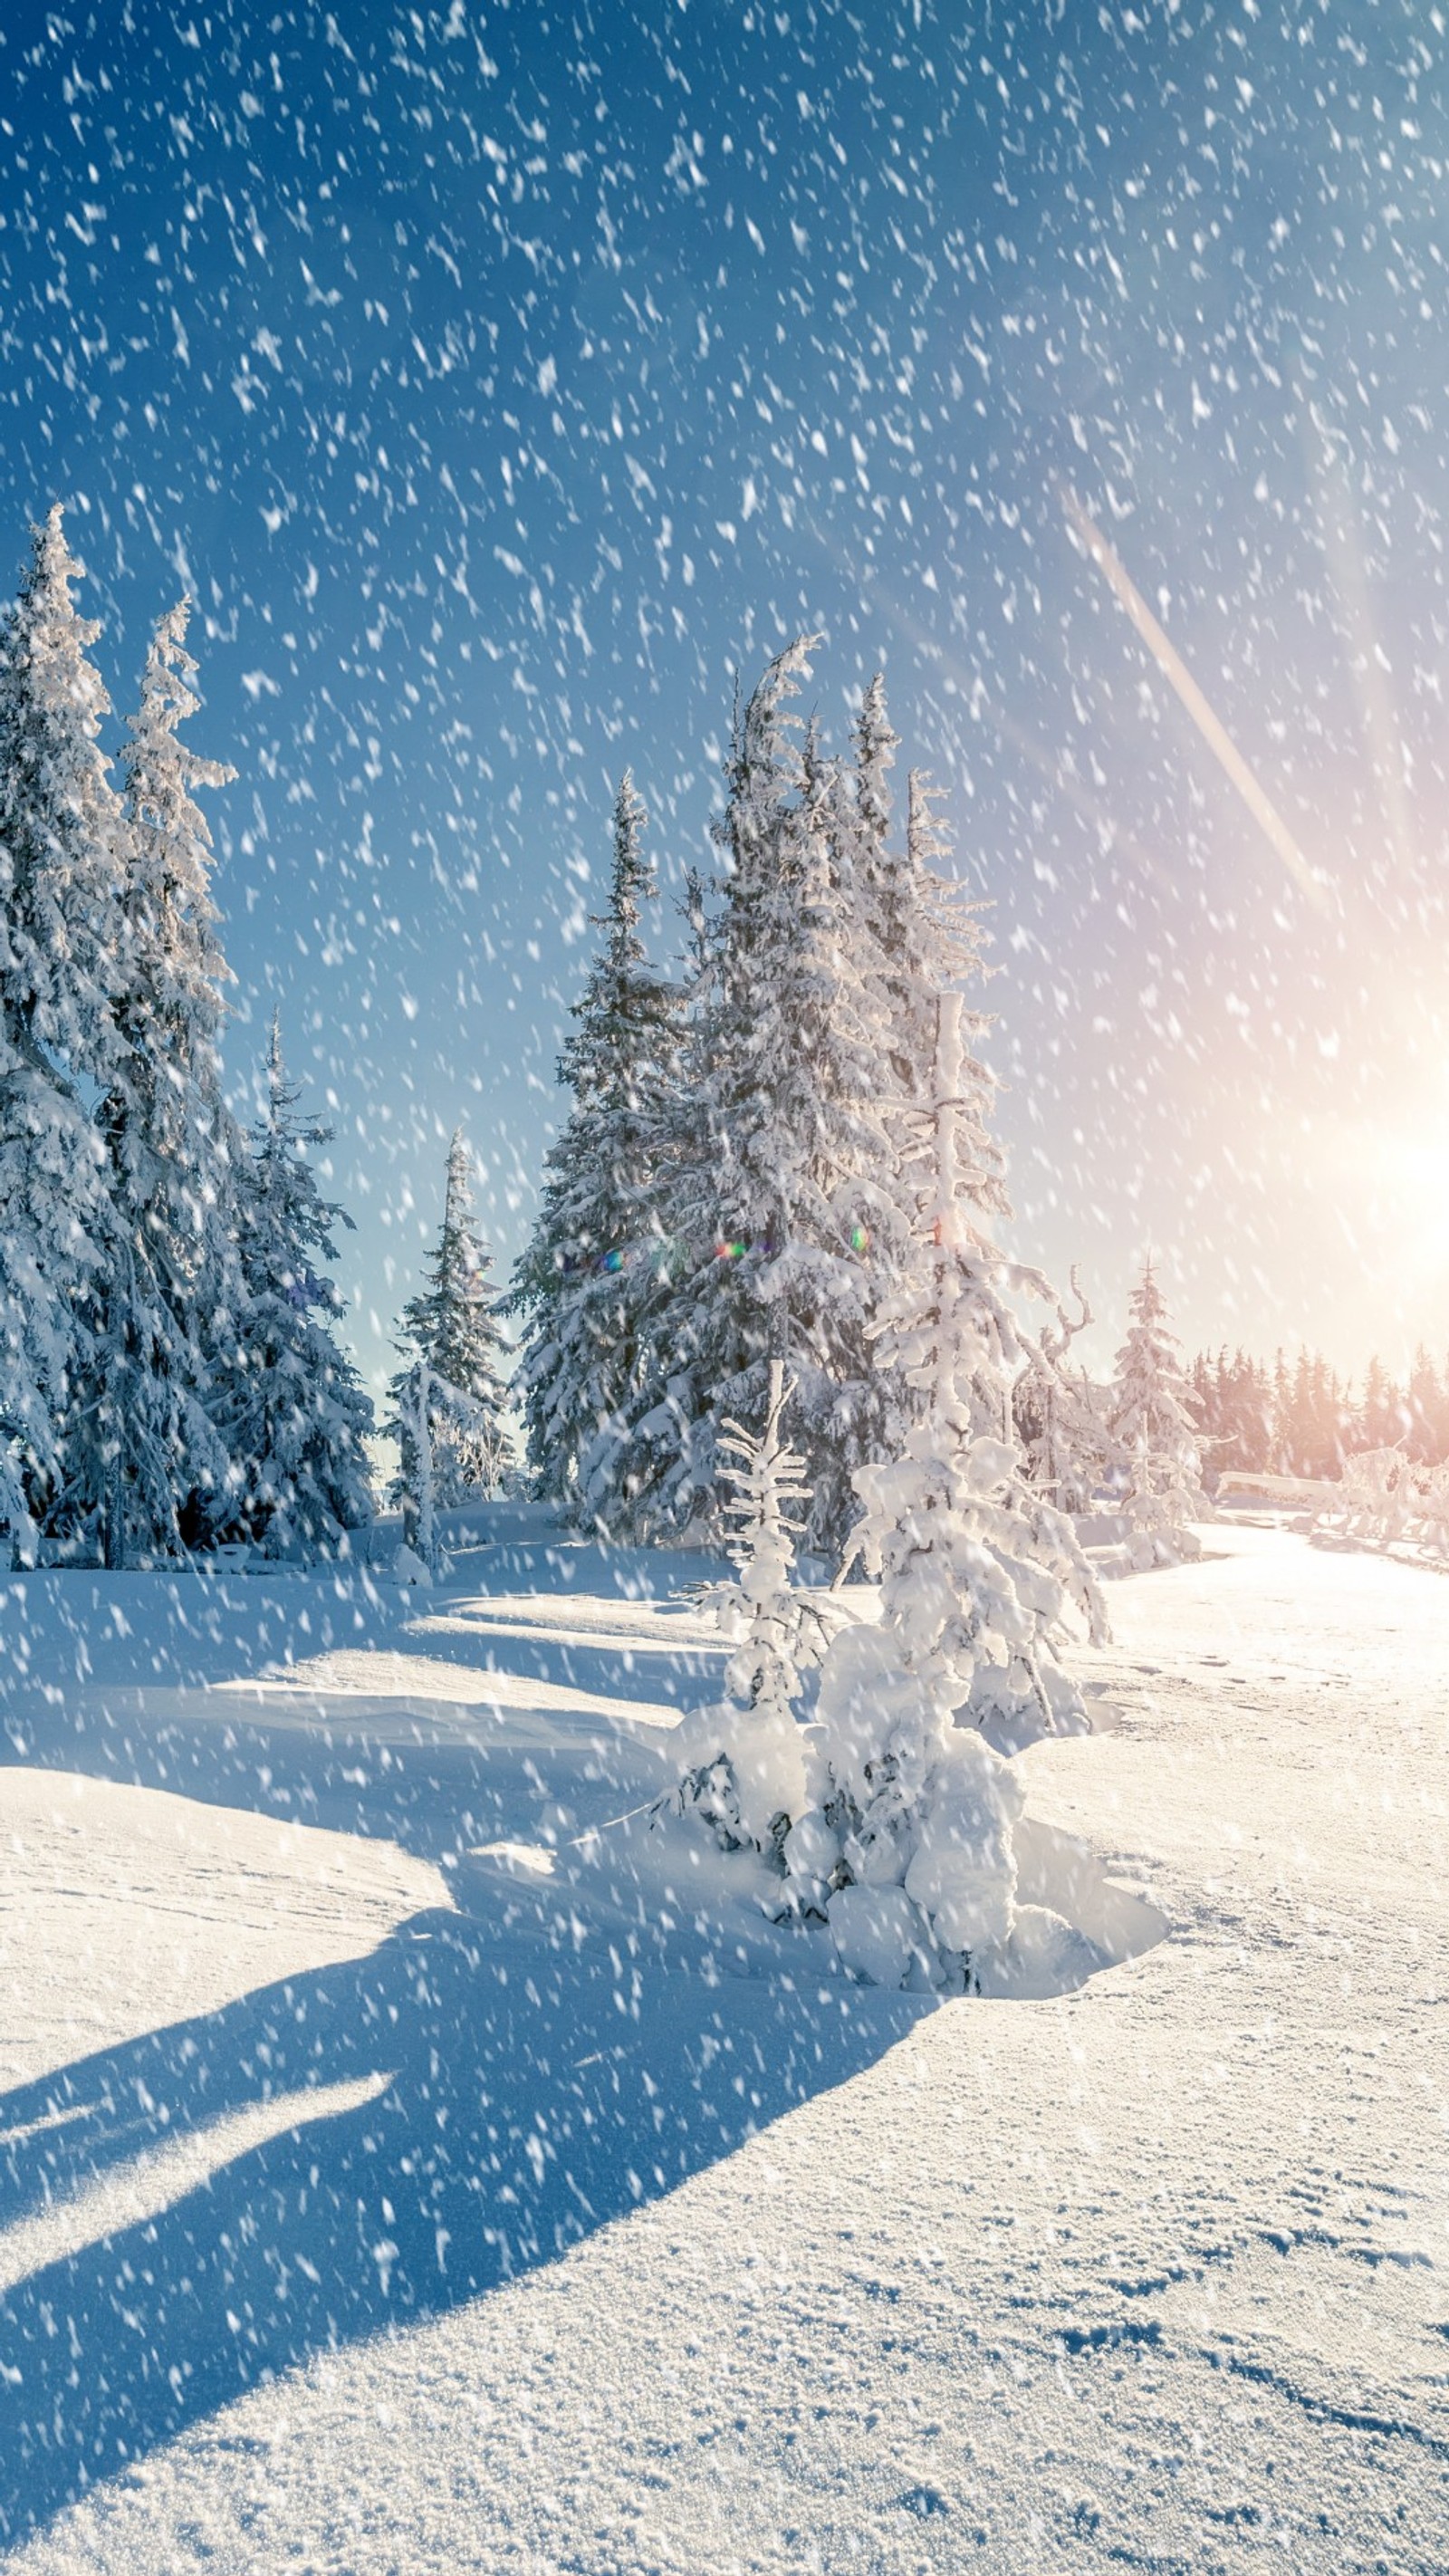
column 1150, row 2275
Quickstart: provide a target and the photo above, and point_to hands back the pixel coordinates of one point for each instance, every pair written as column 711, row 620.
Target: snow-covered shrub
column 1433, row 1515
column 907, row 1843
column 1377, row 1494
column 1386, row 1498
column 407, row 1567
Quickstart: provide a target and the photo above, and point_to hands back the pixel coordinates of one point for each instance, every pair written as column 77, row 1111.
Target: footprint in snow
column 923, row 2501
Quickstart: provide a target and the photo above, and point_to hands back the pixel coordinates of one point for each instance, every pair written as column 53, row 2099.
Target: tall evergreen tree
column 168, row 1305
column 773, row 1151
column 452, row 1325
column 63, row 942
column 596, row 1265
column 173, row 1010
column 292, row 1408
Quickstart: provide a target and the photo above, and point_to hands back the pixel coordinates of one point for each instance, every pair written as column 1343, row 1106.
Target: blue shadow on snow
column 534, row 2083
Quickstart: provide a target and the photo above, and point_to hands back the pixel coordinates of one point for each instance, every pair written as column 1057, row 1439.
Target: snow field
column 1145, row 2274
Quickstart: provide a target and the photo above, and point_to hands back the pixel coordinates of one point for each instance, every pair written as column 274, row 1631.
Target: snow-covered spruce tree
column 292, row 1408
column 742, row 1760
column 908, row 1840
column 452, row 1326
column 592, row 1271
column 1152, row 1427
column 773, row 1161
column 63, row 939
column 167, row 1306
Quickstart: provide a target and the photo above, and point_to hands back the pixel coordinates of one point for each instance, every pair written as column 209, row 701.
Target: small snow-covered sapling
column 743, row 1759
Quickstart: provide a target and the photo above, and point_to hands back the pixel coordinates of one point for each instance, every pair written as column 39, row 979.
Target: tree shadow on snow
column 1334, row 1542
column 530, row 2083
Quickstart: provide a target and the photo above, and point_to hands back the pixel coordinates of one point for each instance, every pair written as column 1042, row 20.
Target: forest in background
column 749, row 1178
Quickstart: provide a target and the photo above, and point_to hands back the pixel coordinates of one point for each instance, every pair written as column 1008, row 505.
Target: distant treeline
column 1301, row 1418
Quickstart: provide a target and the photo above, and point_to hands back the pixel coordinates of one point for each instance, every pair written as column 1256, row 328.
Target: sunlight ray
column 1311, row 883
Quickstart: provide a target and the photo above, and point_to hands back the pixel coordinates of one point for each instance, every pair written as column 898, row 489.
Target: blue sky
column 502, row 382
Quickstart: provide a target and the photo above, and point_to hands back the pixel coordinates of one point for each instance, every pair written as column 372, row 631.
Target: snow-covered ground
column 355, row 2219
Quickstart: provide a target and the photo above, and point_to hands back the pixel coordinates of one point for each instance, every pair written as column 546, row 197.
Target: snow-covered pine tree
column 773, row 1163
column 167, row 1307
column 595, row 1266
column 1152, row 1426
column 62, row 960
column 909, row 1837
column 452, row 1325
column 292, row 1409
